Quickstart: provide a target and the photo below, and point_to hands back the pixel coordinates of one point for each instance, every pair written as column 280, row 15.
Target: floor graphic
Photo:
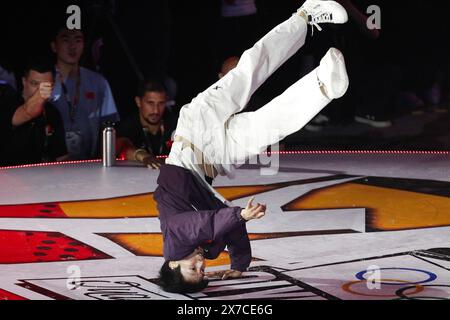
column 326, row 236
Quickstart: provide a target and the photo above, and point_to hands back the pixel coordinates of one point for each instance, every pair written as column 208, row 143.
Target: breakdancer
column 197, row 223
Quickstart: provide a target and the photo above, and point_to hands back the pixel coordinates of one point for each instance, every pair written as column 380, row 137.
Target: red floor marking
column 6, row 295
column 33, row 247
column 43, row 210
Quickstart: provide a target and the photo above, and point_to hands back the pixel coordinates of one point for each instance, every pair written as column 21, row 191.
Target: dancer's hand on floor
column 228, row 274
column 253, row 212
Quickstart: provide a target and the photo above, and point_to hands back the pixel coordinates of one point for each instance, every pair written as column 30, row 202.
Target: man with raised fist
column 35, row 132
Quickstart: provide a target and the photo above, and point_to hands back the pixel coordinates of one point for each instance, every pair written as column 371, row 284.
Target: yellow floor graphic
column 389, row 209
column 140, row 205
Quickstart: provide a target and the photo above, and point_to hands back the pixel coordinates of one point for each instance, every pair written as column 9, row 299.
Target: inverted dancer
column 197, row 223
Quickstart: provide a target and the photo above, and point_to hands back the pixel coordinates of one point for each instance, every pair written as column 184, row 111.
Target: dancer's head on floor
column 184, row 276
column 188, row 274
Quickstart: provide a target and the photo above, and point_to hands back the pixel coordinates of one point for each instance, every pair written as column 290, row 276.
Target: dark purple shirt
column 191, row 217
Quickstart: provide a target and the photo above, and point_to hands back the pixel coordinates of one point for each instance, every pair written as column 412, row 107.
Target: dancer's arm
column 197, row 227
column 239, row 249
column 239, row 244
column 240, row 254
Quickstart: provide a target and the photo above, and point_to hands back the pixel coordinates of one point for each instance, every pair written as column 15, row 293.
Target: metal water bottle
column 109, row 145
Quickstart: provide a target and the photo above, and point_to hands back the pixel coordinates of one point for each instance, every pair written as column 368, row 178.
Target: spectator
column 32, row 127
column 83, row 97
column 147, row 134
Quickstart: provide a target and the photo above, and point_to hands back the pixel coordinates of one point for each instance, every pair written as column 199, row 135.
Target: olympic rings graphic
column 431, row 276
column 347, row 287
column 401, row 293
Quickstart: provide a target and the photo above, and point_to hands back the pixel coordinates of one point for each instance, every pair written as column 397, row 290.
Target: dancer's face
column 192, row 268
column 151, row 107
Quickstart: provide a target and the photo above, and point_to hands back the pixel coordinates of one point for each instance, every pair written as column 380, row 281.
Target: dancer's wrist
column 244, row 214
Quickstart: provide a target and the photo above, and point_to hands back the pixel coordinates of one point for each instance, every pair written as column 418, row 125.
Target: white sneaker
column 332, row 74
column 322, row 11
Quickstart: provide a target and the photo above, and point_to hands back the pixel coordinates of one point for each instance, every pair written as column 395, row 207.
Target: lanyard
column 147, row 141
column 76, row 99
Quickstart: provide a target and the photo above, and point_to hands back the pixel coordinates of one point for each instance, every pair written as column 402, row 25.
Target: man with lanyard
column 147, row 134
column 83, row 97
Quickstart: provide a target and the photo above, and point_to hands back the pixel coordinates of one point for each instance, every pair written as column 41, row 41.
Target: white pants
column 226, row 139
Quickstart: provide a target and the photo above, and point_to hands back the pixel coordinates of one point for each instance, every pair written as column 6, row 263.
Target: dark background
column 187, row 41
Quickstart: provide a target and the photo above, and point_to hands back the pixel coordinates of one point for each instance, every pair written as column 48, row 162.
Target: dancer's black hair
column 171, row 280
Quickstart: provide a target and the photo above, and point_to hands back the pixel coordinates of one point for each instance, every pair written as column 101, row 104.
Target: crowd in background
column 136, row 64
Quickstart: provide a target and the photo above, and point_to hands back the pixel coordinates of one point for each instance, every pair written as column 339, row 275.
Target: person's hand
column 228, row 274
column 152, row 162
column 253, row 212
column 34, row 106
column 45, row 90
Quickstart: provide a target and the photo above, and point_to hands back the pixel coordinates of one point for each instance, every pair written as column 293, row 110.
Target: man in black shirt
column 32, row 129
column 148, row 133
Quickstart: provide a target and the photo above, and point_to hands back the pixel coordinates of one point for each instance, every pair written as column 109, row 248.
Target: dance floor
column 338, row 226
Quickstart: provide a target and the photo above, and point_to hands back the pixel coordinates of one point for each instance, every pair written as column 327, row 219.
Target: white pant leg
column 250, row 133
column 232, row 93
column 203, row 120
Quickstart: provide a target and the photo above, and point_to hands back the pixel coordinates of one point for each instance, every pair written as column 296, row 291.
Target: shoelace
column 321, row 16
column 322, row 87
